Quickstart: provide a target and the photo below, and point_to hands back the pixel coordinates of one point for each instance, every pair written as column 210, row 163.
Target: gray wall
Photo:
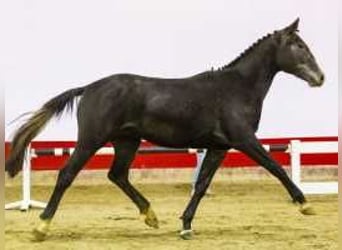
column 51, row 46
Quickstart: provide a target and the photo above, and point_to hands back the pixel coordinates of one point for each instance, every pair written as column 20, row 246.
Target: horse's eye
column 301, row 46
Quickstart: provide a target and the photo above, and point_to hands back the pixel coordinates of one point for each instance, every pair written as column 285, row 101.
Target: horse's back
column 167, row 111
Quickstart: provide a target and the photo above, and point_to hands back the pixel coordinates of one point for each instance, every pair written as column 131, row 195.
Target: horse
column 218, row 110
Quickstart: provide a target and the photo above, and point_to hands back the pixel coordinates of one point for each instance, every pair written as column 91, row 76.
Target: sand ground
column 253, row 213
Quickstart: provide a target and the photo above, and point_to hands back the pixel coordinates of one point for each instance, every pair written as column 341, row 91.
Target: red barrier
column 178, row 160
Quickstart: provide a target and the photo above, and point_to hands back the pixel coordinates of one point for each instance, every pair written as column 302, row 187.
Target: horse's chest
column 241, row 115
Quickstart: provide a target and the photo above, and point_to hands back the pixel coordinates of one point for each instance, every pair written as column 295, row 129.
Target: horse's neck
column 258, row 69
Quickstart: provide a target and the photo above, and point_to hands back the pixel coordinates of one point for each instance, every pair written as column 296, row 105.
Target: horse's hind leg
column 124, row 154
column 66, row 176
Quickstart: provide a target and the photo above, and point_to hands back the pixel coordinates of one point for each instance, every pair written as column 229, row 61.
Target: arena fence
column 294, row 149
column 298, row 148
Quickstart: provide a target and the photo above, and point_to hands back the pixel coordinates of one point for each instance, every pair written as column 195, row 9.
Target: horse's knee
column 115, row 177
column 111, row 176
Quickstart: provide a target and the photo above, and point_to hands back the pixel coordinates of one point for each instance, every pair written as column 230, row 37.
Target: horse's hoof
column 151, row 219
column 186, row 234
column 40, row 232
column 307, row 209
column 39, row 235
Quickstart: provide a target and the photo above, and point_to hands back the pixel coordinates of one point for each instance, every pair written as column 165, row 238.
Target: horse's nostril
column 322, row 78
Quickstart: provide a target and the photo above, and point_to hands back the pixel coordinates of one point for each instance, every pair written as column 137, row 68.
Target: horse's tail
column 25, row 134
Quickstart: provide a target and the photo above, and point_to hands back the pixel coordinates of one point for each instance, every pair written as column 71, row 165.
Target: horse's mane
column 247, row 51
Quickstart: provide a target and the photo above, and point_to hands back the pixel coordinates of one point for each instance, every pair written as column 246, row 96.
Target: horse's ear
column 293, row 27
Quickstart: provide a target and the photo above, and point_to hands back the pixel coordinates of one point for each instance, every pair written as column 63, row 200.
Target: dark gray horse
column 218, row 110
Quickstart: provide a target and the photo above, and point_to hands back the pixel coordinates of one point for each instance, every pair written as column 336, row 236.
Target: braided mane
column 247, row 51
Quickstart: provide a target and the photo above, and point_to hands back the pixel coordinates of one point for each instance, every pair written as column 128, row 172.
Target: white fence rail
column 295, row 149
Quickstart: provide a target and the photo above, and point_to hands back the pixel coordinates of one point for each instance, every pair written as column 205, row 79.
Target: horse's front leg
column 253, row 148
column 211, row 163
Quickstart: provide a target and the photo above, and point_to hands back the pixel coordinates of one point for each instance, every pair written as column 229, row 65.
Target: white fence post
column 26, row 202
column 297, row 147
column 295, row 161
column 26, row 180
column 199, row 161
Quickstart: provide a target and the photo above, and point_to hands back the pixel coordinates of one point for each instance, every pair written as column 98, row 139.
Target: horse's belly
column 167, row 133
column 175, row 135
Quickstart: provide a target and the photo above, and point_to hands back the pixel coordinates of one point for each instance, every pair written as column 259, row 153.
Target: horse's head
column 294, row 56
